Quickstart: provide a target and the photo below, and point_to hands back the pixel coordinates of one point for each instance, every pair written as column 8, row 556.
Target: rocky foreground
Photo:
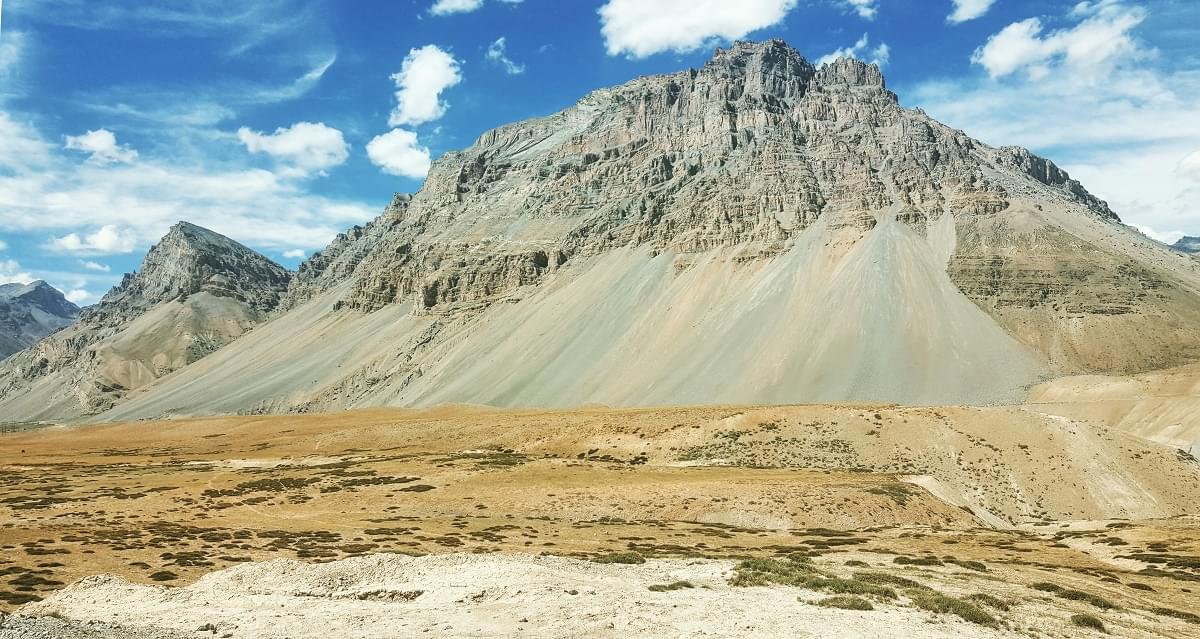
column 526, row 595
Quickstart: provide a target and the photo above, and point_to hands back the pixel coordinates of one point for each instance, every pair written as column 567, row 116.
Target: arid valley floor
column 939, row 520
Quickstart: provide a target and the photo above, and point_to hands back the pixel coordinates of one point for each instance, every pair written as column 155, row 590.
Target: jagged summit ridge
column 190, row 258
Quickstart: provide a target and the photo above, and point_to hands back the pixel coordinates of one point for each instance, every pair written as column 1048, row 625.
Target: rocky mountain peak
column 1187, row 244
column 29, row 312
column 39, row 294
column 190, row 259
column 762, row 68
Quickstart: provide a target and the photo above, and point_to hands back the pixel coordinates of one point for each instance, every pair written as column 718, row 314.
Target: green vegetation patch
column 846, row 602
column 1088, row 621
column 620, row 558
column 939, row 603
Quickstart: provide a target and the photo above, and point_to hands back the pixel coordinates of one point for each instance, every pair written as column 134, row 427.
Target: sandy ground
column 167, row 507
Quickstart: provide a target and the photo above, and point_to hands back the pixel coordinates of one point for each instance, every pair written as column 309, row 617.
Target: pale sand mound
column 482, row 596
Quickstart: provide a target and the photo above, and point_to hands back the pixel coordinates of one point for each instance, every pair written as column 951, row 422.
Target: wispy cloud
column 1034, row 83
column 497, row 53
column 862, row 50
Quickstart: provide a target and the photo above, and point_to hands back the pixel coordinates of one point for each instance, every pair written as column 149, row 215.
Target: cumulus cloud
column 105, row 240
column 866, row 9
column 497, row 53
column 398, row 153
column 425, row 73
column 41, row 191
column 102, row 146
column 1092, row 46
column 861, row 50
column 965, row 10
column 77, row 296
column 10, row 271
column 640, row 28
column 95, row 266
column 304, row 147
column 3, row 245
column 294, row 254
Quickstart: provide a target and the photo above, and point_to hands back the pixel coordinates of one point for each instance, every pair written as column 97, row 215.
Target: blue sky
column 286, row 122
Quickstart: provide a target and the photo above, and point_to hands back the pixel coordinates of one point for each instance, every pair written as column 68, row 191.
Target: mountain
column 1187, row 244
column 759, row 230
column 29, row 312
column 196, row 291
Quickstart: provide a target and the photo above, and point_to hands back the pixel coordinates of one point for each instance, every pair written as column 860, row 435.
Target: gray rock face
column 29, row 312
column 196, row 291
column 1187, row 244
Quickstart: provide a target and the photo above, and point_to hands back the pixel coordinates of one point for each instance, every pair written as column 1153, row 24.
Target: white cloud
column 965, row 10
column 95, row 266
column 1091, row 47
column 447, row 7
column 106, row 240
column 3, row 245
column 41, row 191
column 398, row 153
column 103, row 147
column 866, row 9
column 425, row 73
column 1121, row 125
column 10, row 271
column 294, row 254
column 639, row 28
column 861, row 50
column 305, row 147
column 497, row 53
column 77, row 296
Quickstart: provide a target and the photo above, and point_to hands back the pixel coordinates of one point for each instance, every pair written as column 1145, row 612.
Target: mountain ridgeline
column 759, row 230
column 29, row 312
column 195, row 292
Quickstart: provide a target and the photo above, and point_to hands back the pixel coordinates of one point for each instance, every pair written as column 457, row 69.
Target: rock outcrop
column 758, row 230
column 196, row 291
column 29, row 312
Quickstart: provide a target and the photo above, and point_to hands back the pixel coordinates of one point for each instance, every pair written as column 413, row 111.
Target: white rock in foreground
column 479, row 596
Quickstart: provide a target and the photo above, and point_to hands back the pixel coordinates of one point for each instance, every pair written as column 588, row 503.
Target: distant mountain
column 1187, row 244
column 29, row 312
column 759, row 230
column 196, row 291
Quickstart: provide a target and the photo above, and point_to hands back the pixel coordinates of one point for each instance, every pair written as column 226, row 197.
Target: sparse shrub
column 884, row 578
column 846, row 602
column 849, row 587
column 762, row 572
column 674, row 585
column 937, row 602
column 988, row 600
column 977, row 566
column 857, row 563
column 1177, row 614
column 1088, row 621
column 917, row 561
column 620, row 558
column 1075, row 595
